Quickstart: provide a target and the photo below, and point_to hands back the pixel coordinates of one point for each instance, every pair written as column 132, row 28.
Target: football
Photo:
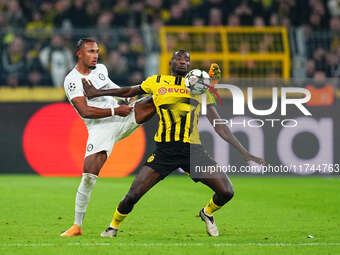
column 197, row 81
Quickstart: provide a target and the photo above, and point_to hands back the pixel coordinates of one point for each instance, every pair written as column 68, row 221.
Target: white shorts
column 104, row 135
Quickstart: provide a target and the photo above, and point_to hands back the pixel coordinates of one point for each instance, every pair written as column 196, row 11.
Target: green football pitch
column 266, row 216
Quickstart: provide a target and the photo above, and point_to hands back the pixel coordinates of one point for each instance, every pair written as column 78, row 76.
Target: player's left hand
column 89, row 90
column 249, row 157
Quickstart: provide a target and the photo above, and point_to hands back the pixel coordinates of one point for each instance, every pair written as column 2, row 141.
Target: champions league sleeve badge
column 71, row 86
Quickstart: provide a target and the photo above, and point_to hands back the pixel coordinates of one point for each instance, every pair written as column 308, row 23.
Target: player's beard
column 92, row 67
column 181, row 72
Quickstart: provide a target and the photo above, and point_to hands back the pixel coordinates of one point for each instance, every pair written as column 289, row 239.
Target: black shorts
column 173, row 155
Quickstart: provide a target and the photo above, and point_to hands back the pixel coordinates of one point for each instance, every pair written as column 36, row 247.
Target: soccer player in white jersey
column 107, row 122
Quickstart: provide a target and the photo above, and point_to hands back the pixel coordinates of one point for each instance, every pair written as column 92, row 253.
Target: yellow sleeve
column 210, row 98
column 149, row 84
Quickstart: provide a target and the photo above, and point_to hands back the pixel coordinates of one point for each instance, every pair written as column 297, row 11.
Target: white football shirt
column 99, row 77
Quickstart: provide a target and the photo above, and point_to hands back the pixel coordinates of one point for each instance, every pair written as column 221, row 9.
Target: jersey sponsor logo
column 101, row 76
column 176, row 90
column 89, row 147
column 164, row 90
column 71, row 86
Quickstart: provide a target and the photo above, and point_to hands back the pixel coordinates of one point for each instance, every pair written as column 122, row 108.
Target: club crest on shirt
column 89, row 147
column 71, row 86
column 101, row 76
column 162, row 90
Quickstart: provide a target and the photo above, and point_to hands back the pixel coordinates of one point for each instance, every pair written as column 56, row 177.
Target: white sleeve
column 73, row 88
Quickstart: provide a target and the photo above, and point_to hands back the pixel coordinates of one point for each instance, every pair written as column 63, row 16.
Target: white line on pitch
column 169, row 244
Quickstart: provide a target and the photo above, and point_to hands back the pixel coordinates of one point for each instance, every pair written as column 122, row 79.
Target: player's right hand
column 123, row 110
column 89, row 90
column 249, row 157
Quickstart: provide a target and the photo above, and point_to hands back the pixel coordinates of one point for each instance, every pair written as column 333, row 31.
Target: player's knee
column 227, row 193
column 87, row 182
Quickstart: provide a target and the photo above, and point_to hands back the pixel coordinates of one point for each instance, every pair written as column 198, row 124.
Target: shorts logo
column 101, row 76
column 162, row 90
column 71, row 86
column 151, row 158
column 89, row 147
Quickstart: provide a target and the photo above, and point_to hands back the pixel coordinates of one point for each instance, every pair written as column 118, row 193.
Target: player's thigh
column 144, row 110
column 94, row 162
column 102, row 137
column 144, row 181
column 127, row 125
column 218, row 182
column 99, row 146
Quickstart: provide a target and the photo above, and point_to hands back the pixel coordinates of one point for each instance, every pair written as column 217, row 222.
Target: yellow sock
column 211, row 207
column 117, row 219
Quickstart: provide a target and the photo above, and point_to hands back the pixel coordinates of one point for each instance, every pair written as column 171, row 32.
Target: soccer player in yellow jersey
column 177, row 141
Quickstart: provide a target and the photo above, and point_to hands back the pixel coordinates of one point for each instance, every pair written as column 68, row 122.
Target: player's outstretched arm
column 91, row 92
column 90, row 112
column 224, row 132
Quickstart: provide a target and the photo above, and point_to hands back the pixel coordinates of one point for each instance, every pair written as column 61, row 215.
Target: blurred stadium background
column 258, row 43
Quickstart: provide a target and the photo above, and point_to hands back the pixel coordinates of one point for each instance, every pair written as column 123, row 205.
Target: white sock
column 83, row 196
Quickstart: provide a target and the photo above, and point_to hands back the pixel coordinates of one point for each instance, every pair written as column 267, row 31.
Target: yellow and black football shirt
column 178, row 111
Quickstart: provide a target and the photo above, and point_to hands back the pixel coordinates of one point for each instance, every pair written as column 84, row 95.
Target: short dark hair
column 180, row 52
column 81, row 43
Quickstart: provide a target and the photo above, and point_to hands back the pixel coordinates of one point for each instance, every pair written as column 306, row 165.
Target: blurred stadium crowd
column 38, row 36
